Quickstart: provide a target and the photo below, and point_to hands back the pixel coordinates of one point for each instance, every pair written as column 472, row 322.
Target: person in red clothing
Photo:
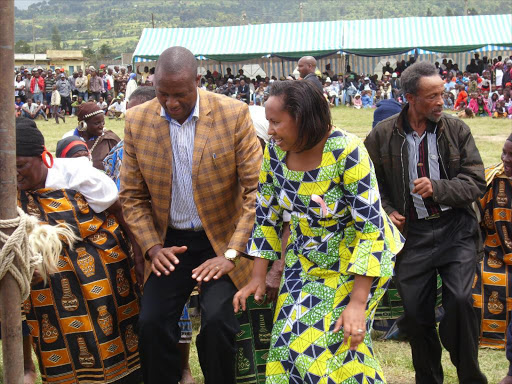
column 37, row 86
column 461, row 97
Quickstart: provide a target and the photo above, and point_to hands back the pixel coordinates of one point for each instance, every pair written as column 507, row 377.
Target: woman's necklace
column 96, row 143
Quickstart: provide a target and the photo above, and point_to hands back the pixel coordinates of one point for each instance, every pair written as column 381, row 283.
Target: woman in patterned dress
column 341, row 250
column 492, row 290
column 83, row 318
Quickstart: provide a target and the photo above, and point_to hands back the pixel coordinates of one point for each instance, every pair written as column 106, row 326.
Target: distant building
column 69, row 60
column 27, row 60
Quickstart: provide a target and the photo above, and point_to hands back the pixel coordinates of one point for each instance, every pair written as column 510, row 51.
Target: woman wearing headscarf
column 491, row 290
column 91, row 128
column 83, row 317
column 131, row 86
column 341, row 250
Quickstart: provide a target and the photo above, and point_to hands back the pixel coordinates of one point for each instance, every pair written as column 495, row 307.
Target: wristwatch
column 232, row 255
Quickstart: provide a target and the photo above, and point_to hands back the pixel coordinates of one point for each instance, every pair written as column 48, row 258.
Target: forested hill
column 115, row 26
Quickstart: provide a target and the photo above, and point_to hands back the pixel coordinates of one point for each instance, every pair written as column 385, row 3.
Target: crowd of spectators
column 482, row 89
column 53, row 93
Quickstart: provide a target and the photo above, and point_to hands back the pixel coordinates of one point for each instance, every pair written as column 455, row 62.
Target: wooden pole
column 10, row 298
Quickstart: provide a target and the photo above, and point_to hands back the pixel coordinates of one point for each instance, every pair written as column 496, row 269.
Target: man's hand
column 397, row 219
column 423, row 187
column 164, row 259
column 273, row 280
column 213, row 268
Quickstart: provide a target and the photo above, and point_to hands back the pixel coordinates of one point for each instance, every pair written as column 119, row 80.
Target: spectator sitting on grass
column 31, row 110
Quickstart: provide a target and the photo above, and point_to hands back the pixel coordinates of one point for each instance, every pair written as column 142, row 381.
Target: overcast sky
column 23, row 4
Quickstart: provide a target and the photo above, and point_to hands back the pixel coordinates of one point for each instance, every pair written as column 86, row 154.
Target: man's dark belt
column 437, row 215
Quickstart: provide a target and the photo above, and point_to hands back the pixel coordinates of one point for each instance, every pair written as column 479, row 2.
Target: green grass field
column 395, row 357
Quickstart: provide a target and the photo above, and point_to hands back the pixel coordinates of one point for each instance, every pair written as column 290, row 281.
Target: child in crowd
column 41, row 110
column 55, row 105
column 358, row 104
column 366, row 99
column 385, row 87
column 492, row 102
column 448, row 102
column 378, row 97
column 76, row 104
column 501, row 111
column 103, row 105
column 462, row 98
column 466, row 113
column 473, row 84
column 46, row 108
column 18, row 104
column 478, row 106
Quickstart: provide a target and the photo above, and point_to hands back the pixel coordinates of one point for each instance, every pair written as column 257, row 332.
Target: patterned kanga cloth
column 253, row 342
column 492, row 289
column 338, row 229
column 84, row 320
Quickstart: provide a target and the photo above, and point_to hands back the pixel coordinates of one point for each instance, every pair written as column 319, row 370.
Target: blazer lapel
column 203, row 127
column 163, row 136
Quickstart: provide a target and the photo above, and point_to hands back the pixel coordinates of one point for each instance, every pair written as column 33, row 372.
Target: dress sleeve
column 372, row 241
column 265, row 241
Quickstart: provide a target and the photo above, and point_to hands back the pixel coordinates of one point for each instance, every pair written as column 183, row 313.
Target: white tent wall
column 273, row 66
column 366, row 65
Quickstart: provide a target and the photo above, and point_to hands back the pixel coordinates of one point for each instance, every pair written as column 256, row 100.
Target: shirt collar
column 431, row 126
column 193, row 115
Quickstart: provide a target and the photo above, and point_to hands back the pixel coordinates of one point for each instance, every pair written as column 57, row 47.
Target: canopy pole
column 282, row 68
column 10, row 296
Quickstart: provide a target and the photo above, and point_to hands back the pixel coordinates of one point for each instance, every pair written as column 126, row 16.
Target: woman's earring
column 82, row 126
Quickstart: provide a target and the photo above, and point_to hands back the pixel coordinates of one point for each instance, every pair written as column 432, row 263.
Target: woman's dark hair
column 308, row 107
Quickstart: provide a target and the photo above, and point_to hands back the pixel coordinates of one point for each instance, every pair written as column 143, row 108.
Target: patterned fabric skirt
column 185, row 326
column 253, row 342
column 83, row 320
column 493, row 301
column 304, row 350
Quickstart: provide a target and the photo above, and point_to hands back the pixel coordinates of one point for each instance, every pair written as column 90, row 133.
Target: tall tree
column 449, row 12
column 429, row 12
column 22, row 46
column 56, row 39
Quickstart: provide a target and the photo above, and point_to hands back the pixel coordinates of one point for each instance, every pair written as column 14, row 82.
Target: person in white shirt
column 103, row 105
column 118, row 108
column 55, row 105
column 31, row 110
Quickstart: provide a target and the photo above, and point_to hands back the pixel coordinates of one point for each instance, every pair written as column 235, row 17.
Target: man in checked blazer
column 188, row 186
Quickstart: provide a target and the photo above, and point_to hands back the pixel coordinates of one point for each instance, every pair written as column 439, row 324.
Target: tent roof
column 365, row 37
column 237, row 43
column 447, row 34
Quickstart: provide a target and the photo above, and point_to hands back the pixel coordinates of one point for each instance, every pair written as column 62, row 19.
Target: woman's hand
column 353, row 322
column 353, row 318
column 256, row 286
column 273, row 280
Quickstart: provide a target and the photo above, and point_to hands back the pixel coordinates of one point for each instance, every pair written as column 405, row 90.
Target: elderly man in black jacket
column 429, row 172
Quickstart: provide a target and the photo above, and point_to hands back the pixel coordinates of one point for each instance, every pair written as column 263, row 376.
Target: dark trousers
column 446, row 246
column 162, row 304
column 65, row 103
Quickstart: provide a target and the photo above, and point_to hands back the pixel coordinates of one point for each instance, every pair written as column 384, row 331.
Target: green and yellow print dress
column 338, row 229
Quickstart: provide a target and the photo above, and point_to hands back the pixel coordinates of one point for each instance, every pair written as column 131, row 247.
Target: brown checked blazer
column 225, row 170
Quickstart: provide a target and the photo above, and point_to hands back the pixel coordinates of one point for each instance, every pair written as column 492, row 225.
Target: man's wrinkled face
column 428, row 101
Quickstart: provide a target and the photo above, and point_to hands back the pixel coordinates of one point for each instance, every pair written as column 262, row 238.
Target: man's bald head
column 306, row 65
column 176, row 60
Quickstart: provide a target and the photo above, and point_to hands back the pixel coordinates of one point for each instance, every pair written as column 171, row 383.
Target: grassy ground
column 395, row 357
